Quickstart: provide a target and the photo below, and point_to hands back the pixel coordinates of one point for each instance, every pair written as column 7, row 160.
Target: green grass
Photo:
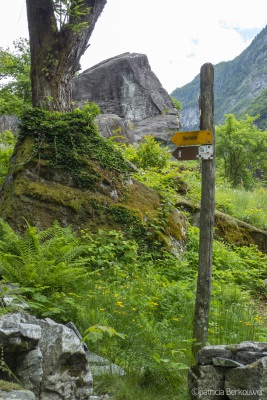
column 248, row 206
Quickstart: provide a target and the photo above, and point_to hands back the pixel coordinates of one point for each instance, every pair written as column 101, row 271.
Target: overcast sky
column 177, row 36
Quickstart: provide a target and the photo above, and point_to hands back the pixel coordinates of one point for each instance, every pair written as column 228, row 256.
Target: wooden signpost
column 201, row 145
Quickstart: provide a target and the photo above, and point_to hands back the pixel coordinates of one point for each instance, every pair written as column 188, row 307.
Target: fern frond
column 74, row 252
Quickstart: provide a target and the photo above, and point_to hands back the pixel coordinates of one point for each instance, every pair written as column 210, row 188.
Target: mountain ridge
column 240, row 87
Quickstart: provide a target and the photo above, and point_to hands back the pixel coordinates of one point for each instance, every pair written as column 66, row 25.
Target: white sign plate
column 205, row 152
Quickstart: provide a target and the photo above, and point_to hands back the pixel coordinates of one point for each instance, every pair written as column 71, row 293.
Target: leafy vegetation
column 249, row 206
column 241, row 149
column 7, row 143
column 15, row 88
column 147, row 154
column 257, row 107
column 57, row 142
column 130, row 296
column 132, row 306
column 134, row 303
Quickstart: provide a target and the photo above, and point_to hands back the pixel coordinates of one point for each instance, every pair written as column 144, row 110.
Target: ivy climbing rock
column 63, row 170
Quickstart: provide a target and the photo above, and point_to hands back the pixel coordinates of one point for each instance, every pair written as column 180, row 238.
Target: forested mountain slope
column 240, row 87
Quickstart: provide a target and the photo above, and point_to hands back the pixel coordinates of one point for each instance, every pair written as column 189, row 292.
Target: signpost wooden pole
column 203, row 294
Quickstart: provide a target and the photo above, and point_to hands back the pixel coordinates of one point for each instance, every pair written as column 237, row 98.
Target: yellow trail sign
column 197, row 138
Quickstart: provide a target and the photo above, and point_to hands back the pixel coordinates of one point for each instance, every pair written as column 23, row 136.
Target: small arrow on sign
column 186, row 153
column 197, row 138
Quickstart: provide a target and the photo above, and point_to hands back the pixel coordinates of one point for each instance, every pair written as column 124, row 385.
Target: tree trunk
column 56, row 50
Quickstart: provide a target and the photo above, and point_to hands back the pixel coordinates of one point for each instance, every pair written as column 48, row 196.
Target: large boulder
column 47, row 358
column 126, row 86
column 80, row 180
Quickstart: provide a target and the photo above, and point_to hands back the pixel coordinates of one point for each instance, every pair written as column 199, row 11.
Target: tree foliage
column 15, row 87
column 241, row 149
column 7, row 143
column 258, row 107
column 148, row 154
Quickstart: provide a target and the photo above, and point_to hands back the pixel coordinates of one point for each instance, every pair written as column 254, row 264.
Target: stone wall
column 235, row 372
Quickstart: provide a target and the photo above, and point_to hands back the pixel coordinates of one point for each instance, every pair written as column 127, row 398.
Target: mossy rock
column 238, row 232
column 228, row 228
column 91, row 187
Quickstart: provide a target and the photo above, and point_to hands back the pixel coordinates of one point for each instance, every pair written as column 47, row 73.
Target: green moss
column 9, row 386
column 22, row 155
column 141, row 197
column 175, row 225
column 238, row 232
column 64, row 170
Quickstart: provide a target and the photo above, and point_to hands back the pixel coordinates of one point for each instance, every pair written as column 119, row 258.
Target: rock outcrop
column 232, row 230
column 10, row 123
column 126, row 86
column 79, row 179
column 17, row 395
column 47, row 358
column 230, row 372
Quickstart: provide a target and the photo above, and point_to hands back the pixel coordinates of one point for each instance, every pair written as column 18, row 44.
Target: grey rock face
column 225, row 362
column 101, row 366
column 9, row 122
column 17, row 395
column 126, row 86
column 131, row 98
column 206, row 354
column 190, row 118
column 123, row 85
column 29, row 369
column 47, row 358
column 17, row 336
column 206, row 382
column 111, row 125
column 249, row 381
column 161, row 126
